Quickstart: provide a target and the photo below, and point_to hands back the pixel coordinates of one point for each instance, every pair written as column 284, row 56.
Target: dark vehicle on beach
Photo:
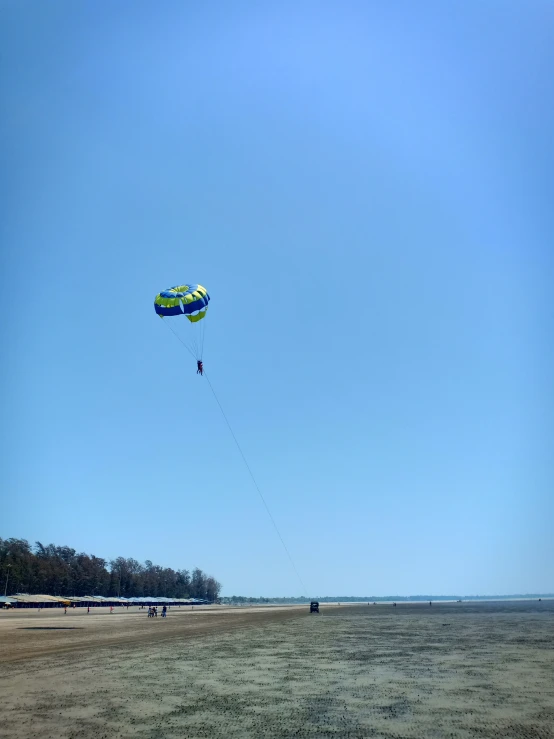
column 314, row 606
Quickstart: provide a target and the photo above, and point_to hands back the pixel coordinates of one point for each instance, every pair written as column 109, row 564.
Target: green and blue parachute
column 190, row 301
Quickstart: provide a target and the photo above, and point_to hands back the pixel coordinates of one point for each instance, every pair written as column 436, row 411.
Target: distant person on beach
column 164, row 611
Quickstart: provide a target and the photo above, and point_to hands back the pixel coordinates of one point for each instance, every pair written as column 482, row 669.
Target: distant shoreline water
column 246, row 600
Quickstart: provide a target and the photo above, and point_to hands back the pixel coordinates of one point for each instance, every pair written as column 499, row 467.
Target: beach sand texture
column 450, row 670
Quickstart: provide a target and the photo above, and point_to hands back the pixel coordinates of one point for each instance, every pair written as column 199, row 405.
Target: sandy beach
column 450, row 670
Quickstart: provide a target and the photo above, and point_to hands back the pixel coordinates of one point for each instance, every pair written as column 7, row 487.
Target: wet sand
column 450, row 670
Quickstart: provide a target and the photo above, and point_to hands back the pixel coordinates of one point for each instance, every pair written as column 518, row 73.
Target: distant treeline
column 53, row 570
column 237, row 599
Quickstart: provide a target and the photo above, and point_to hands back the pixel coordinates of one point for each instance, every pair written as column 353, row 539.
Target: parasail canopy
column 189, row 300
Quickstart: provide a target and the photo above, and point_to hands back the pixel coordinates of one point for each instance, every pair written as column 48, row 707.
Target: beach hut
column 24, row 600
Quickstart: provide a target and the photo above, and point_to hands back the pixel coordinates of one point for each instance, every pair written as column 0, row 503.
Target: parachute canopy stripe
column 183, row 299
column 198, row 316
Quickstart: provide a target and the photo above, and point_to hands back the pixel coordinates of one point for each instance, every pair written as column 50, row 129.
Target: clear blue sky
column 366, row 189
